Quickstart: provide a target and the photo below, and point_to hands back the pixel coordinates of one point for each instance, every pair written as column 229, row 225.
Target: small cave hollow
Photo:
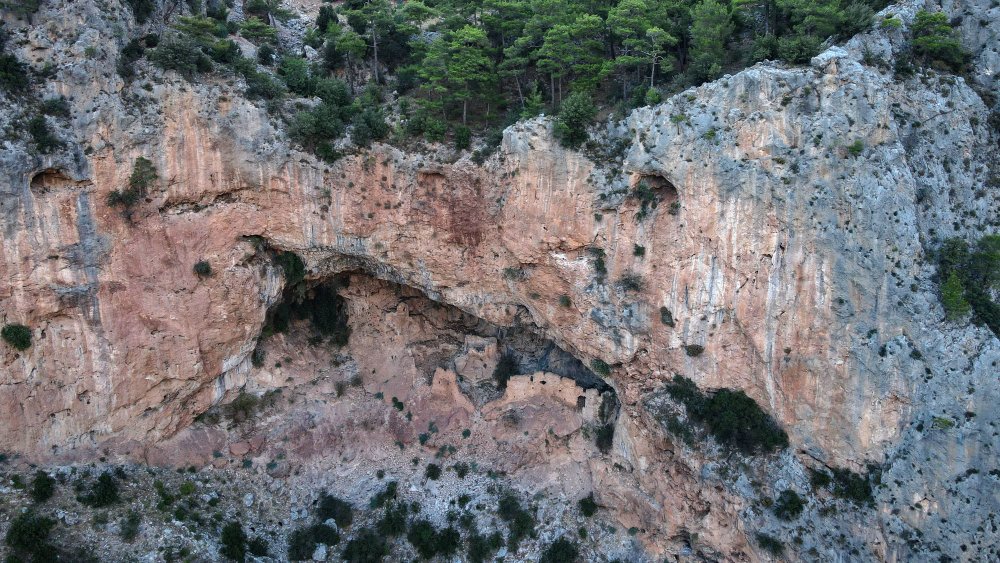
column 652, row 191
column 433, row 183
column 50, row 179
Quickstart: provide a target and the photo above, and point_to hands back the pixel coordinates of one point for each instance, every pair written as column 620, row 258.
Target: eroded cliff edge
column 800, row 267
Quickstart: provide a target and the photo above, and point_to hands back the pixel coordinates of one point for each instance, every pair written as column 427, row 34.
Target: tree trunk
column 350, row 73
column 465, row 108
column 375, row 51
column 652, row 73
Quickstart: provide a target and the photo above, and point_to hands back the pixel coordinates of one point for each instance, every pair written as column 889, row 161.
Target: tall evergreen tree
column 711, row 27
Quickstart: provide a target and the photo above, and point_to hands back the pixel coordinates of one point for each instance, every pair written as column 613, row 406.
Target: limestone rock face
column 795, row 209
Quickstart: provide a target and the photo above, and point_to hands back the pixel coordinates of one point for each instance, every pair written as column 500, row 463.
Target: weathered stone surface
column 801, row 269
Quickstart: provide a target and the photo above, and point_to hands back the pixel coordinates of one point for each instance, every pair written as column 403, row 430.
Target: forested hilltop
column 442, row 69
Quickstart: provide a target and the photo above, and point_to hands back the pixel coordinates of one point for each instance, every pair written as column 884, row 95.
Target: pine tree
column 953, row 298
column 711, row 27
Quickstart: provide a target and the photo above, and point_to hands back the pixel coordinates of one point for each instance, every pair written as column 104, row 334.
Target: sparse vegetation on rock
column 17, row 335
column 733, row 418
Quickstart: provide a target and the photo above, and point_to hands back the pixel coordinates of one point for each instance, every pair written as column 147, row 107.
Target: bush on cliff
column 17, row 335
column 733, row 418
column 338, row 509
column 104, row 492
column 967, row 274
column 42, row 486
column 575, row 115
column 143, row 177
column 789, row 505
column 936, row 42
column 28, row 535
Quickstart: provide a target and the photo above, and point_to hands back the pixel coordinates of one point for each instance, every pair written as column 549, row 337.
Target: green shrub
column 666, row 317
column 798, row 49
column 599, row 266
column 365, row 547
column 481, row 548
column 256, row 30
column 142, row 9
column 851, row 486
column 182, row 55
column 301, row 545
column 433, row 471
column 13, row 74
column 260, row 84
column 653, row 97
column 130, row 53
column 295, row 72
column 575, row 115
column 588, row 507
column 935, row 41
column 234, row 542
column 266, row 55
column 104, row 492
column 639, row 251
column 630, row 282
column 730, row 416
column 463, row 138
column 258, row 547
column 42, row 486
column 129, row 525
column 324, row 534
column 41, row 134
column 17, row 335
column 242, row 407
column 560, row 551
column 788, row 505
column 56, row 107
column 819, row 479
column 967, row 275
column 856, row 148
column 302, row 542
column 953, row 298
column 565, row 301
column 892, row 23
column 770, row 544
column 368, row 126
column 694, row 350
column 520, row 522
column 434, row 129
column 393, row 522
column 381, row 498
column 600, row 367
column 143, row 177
column 339, row 510
column 647, row 199
column 202, row 269
column 430, row 542
column 292, row 267
column 28, row 535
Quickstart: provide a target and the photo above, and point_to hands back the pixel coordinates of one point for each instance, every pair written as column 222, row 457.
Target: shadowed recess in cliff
column 651, row 191
column 320, row 300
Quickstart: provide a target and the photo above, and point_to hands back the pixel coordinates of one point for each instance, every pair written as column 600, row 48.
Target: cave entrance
column 652, row 191
column 49, row 179
column 372, row 323
column 320, row 303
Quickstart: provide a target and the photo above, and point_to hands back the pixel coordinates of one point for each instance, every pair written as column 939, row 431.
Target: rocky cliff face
column 787, row 235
